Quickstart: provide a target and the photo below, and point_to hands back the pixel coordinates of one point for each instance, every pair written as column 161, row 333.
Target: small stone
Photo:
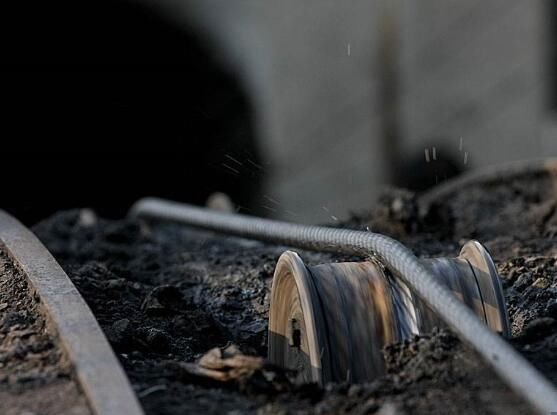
column 354, row 390
column 87, row 218
column 539, row 328
column 163, row 299
column 397, row 205
column 116, row 284
column 221, row 202
column 541, row 283
column 551, row 308
column 231, row 350
column 121, row 325
column 369, row 406
column 389, row 408
column 157, row 340
column 534, row 261
column 514, row 274
column 120, row 331
column 523, row 281
column 256, row 326
column 3, row 306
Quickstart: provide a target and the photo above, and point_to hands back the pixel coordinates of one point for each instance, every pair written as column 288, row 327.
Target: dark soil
column 35, row 376
column 166, row 294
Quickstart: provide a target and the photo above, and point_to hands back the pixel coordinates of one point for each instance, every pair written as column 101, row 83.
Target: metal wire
column 515, row 370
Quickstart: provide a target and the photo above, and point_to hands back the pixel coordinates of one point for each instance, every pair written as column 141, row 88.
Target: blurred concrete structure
column 480, row 70
column 345, row 92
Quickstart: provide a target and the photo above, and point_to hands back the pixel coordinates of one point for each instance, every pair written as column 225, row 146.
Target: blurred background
column 300, row 110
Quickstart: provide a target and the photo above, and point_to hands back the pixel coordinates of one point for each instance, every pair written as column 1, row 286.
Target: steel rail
column 98, row 371
column 514, row 369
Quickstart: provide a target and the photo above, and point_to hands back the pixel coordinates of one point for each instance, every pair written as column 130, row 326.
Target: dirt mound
column 166, row 294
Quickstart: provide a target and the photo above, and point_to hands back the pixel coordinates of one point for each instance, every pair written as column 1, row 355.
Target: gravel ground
column 35, row 376
column 166, row 294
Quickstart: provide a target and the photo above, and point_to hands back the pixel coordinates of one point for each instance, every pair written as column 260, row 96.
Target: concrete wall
column 310, row 69
column 476, row 70
column 320, row 74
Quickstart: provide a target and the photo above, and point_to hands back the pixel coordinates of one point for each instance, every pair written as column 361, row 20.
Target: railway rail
column 97, row 370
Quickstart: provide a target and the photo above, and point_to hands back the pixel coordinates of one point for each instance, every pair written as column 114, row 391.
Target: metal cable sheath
column 516, row 371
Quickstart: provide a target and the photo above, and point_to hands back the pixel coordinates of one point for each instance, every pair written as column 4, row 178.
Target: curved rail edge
column 98, row 371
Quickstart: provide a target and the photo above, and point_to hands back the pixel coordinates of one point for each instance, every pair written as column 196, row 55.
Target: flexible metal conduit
column 516, row 371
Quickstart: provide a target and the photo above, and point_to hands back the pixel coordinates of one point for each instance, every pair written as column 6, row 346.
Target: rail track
column 96, row 368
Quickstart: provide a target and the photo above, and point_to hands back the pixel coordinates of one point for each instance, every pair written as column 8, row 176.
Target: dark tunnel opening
column 105, row 102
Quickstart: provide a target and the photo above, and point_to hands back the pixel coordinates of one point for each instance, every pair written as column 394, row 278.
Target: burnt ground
column 166, row 294
column 35, row 376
